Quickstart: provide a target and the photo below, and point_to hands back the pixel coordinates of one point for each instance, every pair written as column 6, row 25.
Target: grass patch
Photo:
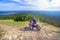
column 12, row 23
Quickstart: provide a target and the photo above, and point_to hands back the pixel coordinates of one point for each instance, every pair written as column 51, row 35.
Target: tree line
column 26, row 17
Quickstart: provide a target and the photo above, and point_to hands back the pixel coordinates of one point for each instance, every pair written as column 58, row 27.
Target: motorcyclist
column 33, row 23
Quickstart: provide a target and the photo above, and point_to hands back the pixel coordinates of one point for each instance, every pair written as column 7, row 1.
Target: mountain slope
column 47, row 32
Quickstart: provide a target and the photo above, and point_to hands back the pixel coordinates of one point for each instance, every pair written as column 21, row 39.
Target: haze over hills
column 51, row 15
column 56, row 13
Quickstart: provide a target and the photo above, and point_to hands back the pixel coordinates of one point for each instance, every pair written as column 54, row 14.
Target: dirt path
column 46, row 33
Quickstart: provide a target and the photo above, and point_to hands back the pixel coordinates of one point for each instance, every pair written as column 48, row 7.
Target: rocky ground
column 47, row 32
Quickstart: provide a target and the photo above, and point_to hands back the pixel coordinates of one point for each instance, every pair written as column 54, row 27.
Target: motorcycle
column 34, row 27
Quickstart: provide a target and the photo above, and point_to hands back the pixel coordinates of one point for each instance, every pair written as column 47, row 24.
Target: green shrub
column 22, row 18
column 49, row 21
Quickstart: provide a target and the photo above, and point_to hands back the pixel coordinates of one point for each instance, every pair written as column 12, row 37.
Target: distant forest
column 27, row 16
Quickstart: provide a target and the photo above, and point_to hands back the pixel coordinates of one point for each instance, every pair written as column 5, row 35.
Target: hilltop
column 47, row 32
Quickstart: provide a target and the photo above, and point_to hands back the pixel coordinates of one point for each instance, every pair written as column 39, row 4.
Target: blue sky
column 12, row 5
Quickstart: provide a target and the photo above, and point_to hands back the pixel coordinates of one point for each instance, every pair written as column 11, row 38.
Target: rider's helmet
column 34, row 20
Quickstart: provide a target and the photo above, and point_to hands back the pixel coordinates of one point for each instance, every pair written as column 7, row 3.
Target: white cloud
column 45, row 5
column 7, row 4
column 17, row 0
column 55, row 3
column 29, row 2
column 37, row 5
column 13, row 6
